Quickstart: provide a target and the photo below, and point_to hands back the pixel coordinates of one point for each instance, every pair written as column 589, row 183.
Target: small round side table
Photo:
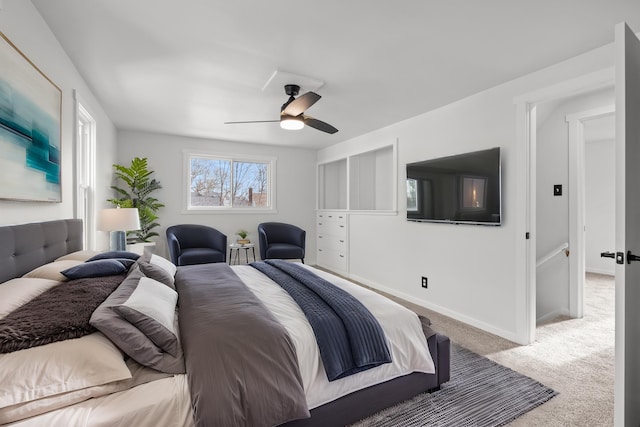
column 236, row 247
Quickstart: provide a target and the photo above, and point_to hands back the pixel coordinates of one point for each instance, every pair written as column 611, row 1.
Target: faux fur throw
column 61, row 312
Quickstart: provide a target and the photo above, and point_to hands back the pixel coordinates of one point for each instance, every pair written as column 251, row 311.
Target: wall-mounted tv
column 464, row 188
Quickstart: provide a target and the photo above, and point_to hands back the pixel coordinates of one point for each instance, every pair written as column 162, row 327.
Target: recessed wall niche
column 332, row 185
column 365, row 181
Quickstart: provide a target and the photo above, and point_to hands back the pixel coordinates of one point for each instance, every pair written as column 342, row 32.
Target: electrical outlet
column 425, row 282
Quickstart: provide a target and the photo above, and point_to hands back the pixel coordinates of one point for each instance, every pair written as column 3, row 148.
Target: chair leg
column 302, row 259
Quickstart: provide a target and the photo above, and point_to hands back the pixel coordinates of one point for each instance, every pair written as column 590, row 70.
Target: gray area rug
column 481, row 393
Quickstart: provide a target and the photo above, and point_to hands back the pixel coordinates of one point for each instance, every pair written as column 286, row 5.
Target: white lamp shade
column 119, row 219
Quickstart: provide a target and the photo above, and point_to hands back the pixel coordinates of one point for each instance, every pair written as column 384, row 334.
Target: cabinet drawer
column 331, row 228
column 333, row 218
column 332, row 259
column 332, row 243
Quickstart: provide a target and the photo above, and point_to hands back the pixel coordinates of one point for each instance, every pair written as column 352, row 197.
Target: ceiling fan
column 292, row 115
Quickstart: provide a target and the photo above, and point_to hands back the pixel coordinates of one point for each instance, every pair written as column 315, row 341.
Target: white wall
column 600, row 161
column 24, row 26
column 295, row 184
column 472, row 270
column 552, row 213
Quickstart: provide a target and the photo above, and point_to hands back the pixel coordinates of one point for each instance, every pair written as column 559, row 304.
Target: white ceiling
column 186, row 67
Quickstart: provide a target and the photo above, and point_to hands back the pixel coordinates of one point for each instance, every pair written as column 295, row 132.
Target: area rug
column 481, row 393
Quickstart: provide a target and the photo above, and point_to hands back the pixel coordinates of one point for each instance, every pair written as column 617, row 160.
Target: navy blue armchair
column 281, row 241
column 196, row 244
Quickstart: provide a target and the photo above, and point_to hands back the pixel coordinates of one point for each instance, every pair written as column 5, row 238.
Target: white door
column 627, row 382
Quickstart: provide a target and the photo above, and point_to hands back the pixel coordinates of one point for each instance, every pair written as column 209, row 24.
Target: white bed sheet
column 402, row 328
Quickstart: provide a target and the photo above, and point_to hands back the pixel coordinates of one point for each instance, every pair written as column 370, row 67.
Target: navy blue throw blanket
column 350, row 339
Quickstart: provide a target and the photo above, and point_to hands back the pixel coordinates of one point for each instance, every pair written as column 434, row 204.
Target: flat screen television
column 460, row 189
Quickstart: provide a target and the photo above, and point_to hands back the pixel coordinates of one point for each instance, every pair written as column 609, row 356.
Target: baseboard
column 601, row 271
column 553, row 315
column 508, row 335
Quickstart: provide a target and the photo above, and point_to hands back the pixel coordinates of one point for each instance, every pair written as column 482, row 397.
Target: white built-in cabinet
column 332, row 232
column 361, row 183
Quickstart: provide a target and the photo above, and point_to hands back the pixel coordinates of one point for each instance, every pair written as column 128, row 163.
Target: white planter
column 141, row 248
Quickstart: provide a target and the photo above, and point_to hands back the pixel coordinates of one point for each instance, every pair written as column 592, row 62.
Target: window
column 85, row 174
column 412, row 195
column 223, row 183
column 473, row 192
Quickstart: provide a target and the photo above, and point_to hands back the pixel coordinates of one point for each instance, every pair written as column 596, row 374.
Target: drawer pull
column 341, row 241
column 319, row 223
column 342, row 226
column 341, row 256
column 330, row 216
column 319, row 237
column 319, row 250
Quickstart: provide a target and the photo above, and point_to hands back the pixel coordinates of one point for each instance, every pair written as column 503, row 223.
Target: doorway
column 563, row 128
column 528, row 108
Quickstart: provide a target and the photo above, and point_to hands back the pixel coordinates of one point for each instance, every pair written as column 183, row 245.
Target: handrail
column 563, row 247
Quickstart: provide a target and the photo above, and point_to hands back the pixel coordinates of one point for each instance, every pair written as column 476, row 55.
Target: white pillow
column 24, row 410
column 52, row 270
column 151, row 308
column 78, row 256
column 16, row 292
column 154, row 300
column 164, row 263
column 59, row 367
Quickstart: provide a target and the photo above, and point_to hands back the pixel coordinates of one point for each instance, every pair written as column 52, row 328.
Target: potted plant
column 137, row 194
column 243, row 237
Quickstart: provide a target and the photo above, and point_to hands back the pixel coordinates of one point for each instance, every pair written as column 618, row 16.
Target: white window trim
column 187, row 154
column 85, row 186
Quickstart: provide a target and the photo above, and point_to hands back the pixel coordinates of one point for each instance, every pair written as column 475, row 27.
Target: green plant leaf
column 136, row 194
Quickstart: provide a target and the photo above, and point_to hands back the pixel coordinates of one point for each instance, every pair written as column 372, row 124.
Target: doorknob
column 632, row 257
column 619, row 256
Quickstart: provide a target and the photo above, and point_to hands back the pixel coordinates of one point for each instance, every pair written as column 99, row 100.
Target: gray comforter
column 241, row 363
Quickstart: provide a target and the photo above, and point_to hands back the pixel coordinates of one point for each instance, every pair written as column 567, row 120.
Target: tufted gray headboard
column 26, row 246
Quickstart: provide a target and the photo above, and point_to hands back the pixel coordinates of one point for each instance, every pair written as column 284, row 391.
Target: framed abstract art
column 30, row 114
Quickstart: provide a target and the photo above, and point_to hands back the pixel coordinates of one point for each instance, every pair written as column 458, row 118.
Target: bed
column 103, row 378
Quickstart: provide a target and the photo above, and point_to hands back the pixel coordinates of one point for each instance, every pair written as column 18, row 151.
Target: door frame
column 526, row 196
column 577, row 223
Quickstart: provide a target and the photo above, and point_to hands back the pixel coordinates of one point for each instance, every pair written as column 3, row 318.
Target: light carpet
column 481, row 393
column 573, row 356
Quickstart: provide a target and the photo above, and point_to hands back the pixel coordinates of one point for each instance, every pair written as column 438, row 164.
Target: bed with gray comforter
column 240, row 362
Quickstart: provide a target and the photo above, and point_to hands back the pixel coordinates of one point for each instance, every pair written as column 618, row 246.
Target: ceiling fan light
column 291, row 123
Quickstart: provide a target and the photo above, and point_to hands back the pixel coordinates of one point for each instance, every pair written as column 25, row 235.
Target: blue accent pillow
column 124, row 261
column 99, row 268
column 114, row 254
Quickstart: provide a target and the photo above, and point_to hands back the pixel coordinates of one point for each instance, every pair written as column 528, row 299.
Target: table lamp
column 118, row 221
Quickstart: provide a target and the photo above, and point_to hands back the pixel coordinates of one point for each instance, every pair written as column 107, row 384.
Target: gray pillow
column 156, row 273
column 152, row 308
column 103, row 267
column 127, row 337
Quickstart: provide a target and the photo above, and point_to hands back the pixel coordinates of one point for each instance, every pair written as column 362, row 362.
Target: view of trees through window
column 228, row 183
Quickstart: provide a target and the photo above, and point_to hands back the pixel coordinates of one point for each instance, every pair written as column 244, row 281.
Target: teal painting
column 30, row 113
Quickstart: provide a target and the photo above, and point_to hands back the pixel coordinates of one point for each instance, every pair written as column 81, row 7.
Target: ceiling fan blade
column 301, row 103
column 319, row 124
column 252, row 121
